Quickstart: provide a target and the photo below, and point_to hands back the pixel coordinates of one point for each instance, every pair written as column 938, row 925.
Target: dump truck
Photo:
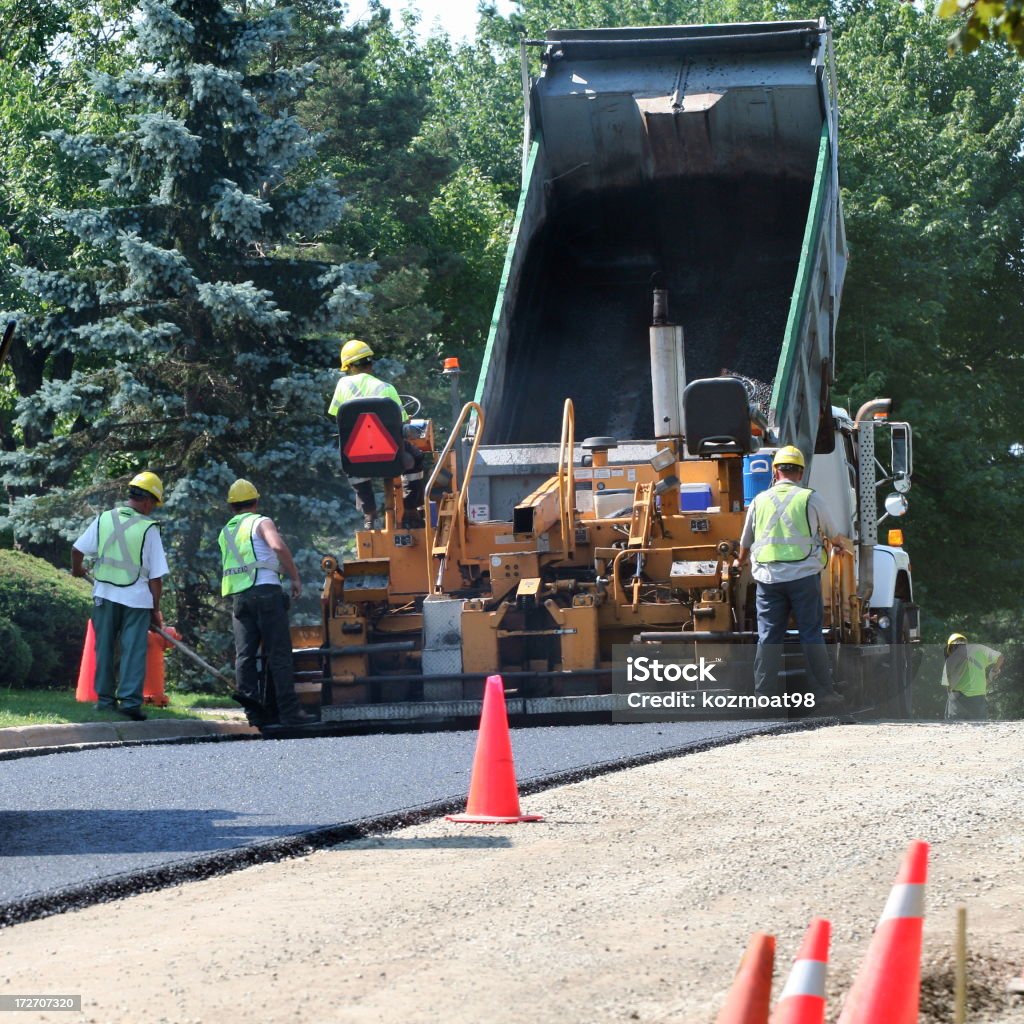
column 666, row 319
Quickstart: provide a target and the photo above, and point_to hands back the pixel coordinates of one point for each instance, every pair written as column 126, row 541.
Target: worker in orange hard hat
column 129, row 569
column 359, row 382
column 783, row 534
column 966, row 674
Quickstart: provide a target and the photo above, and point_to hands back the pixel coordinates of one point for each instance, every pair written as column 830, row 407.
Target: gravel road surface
column 73, row 818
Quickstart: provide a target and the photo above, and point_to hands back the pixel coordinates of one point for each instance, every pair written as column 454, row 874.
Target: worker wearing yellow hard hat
column 128, row 571
column 783, row 539
column 254, row 561
column 966, row 674
column 359, row 382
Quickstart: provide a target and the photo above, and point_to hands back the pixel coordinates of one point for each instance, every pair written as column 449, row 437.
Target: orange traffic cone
column 156, row 648
column 493, row 795
column 887, row 986
column 750, row 997
column 803, row 997
column 86, row 689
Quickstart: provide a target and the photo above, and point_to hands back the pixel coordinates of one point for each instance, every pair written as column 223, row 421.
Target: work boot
column 251, row 704
column 370, row 521
column 299, row 718
column 135, row 714
column 829, row 702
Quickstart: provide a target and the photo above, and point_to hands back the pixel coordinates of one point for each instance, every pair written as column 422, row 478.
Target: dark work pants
column 260, row 614
column 113, row 622
column 966, row 709
column 412, row 490
column 775, row 602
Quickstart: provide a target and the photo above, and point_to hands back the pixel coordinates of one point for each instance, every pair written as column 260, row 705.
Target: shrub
column 50, row 610
column 17, row 659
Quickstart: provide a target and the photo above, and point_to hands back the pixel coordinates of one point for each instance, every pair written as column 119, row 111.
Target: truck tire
column 901, row 676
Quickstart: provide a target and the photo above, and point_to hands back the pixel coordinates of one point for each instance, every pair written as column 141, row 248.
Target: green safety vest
column 121, row 535
column 967, row 672
column 363, row 385
column 238, row 556
column 782, row 529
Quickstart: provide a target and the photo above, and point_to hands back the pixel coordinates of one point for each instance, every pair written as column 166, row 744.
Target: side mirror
column 902, row 458
column 896, row 505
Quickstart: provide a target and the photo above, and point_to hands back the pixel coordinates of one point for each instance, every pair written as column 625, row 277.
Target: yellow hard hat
column 955, row 638
column 150, row 483
column 788, row 456
column 354, row 351
column 242, row 490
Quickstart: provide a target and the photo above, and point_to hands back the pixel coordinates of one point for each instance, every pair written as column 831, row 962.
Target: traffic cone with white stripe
column 887, row 987
column 803, row 998
column 749, row 999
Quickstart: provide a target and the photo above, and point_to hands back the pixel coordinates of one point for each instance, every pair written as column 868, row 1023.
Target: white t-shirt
column 264, row 553
column 154, row 566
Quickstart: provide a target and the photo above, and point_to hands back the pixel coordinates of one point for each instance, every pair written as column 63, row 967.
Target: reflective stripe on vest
column 364, row 385
column 781, row 526
column 238, row 555
column 121, row 535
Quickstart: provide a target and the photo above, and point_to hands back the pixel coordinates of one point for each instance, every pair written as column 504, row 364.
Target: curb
column 25, row 738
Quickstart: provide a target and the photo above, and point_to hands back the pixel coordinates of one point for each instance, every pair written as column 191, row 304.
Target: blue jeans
column 775, row 602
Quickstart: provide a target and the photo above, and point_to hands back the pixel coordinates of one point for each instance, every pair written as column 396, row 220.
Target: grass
column 55, row 707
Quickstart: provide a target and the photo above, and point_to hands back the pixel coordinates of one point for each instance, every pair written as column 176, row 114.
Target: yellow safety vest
column 121, row 535
column 363, row 385
column 238, row 555
column 782, row 529
column 967, row 673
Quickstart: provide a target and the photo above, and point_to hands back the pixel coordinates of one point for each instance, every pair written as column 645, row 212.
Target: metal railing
column 567, row 480
column 458, row 524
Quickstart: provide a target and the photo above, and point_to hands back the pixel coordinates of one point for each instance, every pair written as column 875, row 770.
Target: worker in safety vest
column 966, row 674
column 128, row 576
column 255, row 559
column 783, row 532
column 357, row 363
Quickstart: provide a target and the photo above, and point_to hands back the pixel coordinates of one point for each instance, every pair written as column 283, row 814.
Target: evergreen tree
column 197, row 321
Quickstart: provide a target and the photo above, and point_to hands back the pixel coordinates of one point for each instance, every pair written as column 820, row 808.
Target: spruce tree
column 201, row 317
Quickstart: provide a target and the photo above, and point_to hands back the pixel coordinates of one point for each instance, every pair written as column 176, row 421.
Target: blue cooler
column 694, row 497
column 757, row 476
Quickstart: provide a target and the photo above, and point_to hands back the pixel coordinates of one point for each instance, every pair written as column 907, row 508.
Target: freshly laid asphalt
column 76, row 818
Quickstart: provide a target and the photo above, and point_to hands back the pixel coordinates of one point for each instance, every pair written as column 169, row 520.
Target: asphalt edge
column 37, row 740
column 195, row 869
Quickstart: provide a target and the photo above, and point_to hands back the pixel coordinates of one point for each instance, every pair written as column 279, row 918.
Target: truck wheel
column 901, row 676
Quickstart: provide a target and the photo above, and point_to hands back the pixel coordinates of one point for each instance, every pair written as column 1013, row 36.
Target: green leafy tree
column 196, row 324
column 932, row 311
column 985, row 21
column 434, row 221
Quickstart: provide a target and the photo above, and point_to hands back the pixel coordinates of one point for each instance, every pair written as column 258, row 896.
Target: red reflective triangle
column 369, row 441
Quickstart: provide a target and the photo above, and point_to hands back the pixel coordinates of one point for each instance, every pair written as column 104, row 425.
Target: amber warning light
column 369, row 441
